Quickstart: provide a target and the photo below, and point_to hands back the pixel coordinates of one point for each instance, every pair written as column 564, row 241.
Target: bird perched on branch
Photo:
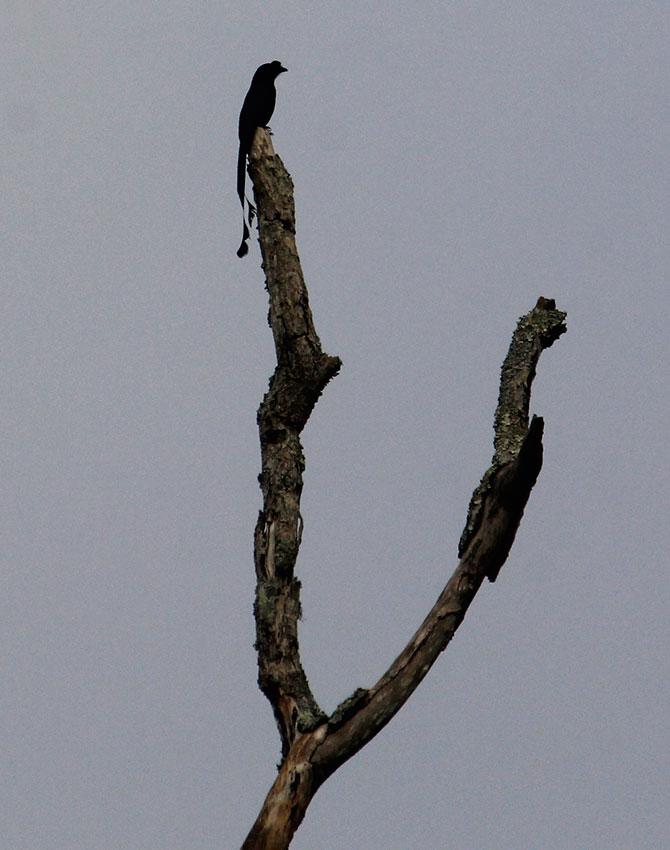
column 257, row 109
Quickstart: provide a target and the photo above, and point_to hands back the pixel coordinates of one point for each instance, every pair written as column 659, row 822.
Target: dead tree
column 313, row 743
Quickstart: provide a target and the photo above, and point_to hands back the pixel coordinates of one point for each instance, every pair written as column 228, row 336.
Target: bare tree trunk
column 315, row 744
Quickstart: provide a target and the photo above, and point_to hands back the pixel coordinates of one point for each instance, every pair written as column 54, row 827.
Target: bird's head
column 274, row 69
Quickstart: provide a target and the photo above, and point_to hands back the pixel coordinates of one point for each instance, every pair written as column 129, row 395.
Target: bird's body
column 257, row 109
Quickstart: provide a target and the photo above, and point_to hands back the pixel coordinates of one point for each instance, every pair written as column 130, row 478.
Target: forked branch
column 314, row 744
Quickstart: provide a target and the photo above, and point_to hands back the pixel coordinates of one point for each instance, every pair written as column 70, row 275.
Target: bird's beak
column 282, row 69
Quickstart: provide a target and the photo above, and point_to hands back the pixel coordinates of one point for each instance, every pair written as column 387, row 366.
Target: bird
column 257, row 109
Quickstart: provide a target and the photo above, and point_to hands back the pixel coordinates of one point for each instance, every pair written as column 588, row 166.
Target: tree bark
column 314, row 744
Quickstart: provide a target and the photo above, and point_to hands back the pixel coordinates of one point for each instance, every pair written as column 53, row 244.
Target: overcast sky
column 452, row 162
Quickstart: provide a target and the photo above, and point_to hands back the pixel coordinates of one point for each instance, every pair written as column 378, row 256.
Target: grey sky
column 452, row 162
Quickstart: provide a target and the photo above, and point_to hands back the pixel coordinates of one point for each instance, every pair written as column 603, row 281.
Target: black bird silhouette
column 257, row 109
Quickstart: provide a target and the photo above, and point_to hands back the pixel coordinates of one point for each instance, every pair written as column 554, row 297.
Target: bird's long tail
column 241, row 174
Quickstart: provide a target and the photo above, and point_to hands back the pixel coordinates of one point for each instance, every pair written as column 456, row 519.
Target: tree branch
column 500, row 501
column 518, row 449
column 313, row 745
column 302, row 372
